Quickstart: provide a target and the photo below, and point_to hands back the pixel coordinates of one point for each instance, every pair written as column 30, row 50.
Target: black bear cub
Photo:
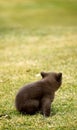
column 39, row 95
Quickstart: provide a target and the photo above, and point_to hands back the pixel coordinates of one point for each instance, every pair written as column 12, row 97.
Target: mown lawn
column 22, row 58
column 32, row 40
column 37, row 14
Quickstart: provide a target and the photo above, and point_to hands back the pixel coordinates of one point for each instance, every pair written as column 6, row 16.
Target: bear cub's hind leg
column 30, row 107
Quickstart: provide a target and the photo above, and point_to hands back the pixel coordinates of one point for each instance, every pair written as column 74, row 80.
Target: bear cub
column 38, row 96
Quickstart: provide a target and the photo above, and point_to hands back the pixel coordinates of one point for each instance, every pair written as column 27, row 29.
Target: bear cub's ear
column 43, row 74
column 59, row 77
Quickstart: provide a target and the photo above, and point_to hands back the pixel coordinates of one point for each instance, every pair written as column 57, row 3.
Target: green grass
column 22, row 58
column 35, row 14
column 35, row 36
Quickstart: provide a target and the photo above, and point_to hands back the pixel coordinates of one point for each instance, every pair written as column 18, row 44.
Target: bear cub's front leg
column 46, row 106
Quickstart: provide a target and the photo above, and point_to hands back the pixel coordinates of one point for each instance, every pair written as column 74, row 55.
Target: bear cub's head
column 54, row 79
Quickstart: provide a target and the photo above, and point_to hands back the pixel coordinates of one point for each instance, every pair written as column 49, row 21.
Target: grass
column 40, row 42
column 21, row 64
column 37, row 14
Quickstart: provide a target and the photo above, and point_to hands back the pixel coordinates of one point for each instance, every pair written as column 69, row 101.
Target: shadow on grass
column 11, row 113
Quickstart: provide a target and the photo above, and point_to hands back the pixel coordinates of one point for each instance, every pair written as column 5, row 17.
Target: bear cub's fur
column 39, row 95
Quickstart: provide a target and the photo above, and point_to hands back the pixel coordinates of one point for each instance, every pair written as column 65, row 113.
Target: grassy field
column 38, row 36
column 36, row 15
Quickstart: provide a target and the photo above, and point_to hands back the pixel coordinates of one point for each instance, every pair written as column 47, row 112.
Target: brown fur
column 39, row 95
